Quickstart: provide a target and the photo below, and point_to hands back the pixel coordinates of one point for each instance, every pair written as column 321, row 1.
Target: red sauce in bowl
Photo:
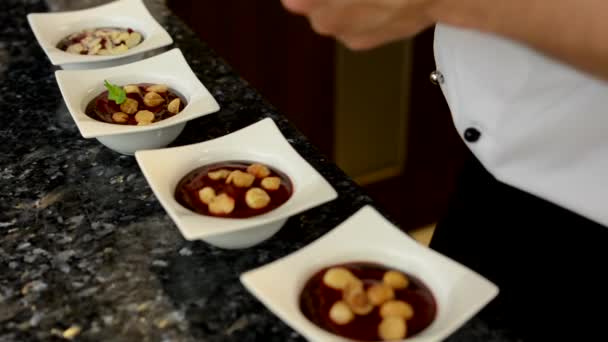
column 101, row 107
column 187, row 190
column 316, row 300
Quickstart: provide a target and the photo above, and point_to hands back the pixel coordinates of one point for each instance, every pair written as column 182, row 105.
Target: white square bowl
column 261, row 142
column 50, row 28
column 78, row 87
column 367, row 236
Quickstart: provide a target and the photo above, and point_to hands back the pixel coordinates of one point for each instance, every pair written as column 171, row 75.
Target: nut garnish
column 257, row 198
column 380, row 293
column 206, row 194
column 392, row 328
column 396, row 280
column 173, row 106
column 271, row 183
column 258, row 170
column 356, row 298
column 240, row 179
column 219, row 174
column 157, row 88
column 134, row 39
column 131, row 89
column 397, row 308
column 75, row 48
column 152, row 99
column 338, row 277
column 129, row 106
column 144, row 117
column 340, row 313
column 221, row 204
column 120, row 117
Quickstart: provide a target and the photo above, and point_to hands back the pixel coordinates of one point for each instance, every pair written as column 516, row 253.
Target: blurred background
column 374, row 113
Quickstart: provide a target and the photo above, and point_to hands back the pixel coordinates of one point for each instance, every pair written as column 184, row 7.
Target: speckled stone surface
column 86, row 251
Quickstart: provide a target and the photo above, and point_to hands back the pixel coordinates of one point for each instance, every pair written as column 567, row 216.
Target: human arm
column 573, row 31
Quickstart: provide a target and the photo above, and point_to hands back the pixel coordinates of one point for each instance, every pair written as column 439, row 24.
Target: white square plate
column 50, row 28
column 261, row 142
column 367, row 236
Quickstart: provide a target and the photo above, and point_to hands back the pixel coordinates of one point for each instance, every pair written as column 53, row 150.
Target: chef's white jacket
column 533, row 122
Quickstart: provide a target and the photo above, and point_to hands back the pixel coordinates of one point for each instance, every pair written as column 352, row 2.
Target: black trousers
column 551, row 265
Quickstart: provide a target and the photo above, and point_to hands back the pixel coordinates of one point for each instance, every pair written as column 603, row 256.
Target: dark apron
column 551, row 265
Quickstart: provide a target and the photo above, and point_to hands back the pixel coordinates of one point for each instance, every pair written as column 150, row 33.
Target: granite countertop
column 87, row 252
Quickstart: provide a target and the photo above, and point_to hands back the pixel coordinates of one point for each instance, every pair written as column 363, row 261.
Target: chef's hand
column 365, row 24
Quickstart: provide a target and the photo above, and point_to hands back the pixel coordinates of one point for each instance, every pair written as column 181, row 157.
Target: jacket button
column 436, row 78
column 472, row 135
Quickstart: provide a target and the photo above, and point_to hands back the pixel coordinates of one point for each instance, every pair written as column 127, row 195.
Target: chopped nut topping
column 397, row 308
column 131, row 89
column 144, row 117
column 120, row 117
column 392, row 328
column 157, row 88
column 152, row 99
column 173, row 106
column 338, row 277
column 240, row 179
column 206, row 194
column 258, row 170
column 380, row 293
column 129, row 106
column 356, row 298
column 219, row 174
column 221, row 204
column 271, row 183
column 340, row 313
column 396, row 280
column 257, row 198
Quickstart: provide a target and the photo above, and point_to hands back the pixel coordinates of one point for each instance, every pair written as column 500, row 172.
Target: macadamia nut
column 173, row 106
column 219, row 174
column 392, row 328
column 240, row 179
column 157, row 88
column 340, row 313
column 221, row 205
column 256, row 198
column 356, row 298
column 129, row 106
column 380, row 293
column 396, row 280
column 206, row 194
column 258, row 170
column 120, row 117
column 144, row 117
column 338, row 277
column 397, row 308
column 131, row 89
column 152, row 99
column 271, row 183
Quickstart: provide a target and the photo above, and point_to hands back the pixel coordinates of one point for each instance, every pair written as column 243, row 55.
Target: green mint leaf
column 115, row 93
